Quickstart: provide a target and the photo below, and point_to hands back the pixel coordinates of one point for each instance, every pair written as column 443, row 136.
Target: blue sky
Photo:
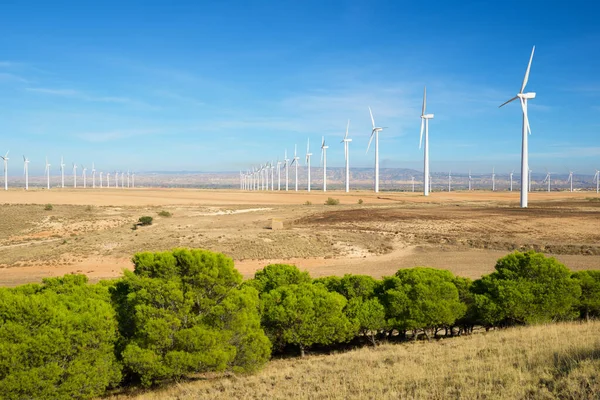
column 224, row 85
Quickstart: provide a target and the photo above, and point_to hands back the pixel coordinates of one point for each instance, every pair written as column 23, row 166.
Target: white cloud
column 76, row 94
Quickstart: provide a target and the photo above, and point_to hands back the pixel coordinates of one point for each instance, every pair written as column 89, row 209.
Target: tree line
column 189, row 311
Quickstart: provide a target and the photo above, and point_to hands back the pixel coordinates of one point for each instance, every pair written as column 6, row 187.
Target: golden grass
column 539, row 362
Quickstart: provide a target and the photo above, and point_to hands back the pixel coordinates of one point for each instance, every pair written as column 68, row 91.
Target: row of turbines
column 258, row 178
column 126, row 179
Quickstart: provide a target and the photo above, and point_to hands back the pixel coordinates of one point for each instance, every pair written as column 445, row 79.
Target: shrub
column 48, row 207
column 304, row 315
column 589, row 302
column 332, row 202
column 57, row 340
column 360, row 201
column 184, row 312
column 165, row 214
column 89, row 208
column 526, row 288
column 307, row 203
column 146, row 220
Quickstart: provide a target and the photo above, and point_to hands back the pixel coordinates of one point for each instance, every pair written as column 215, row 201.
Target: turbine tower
column 278, row 174
column 108, row 179
column 295, row 161
column 286, row 169
column 308, row 154
column 493, row 179
column 449, row 181
column 93, row 176
column 470, row 179
column 529, row 181
column 132, row 180
column 101, row 180
column 62, row 173
column 413, row 183
column 74, row 175
column 547, row 179
column 26, row 172
column 425, row 126
column 597, row 178
column 5, row 159
column 47, row 174
column 83, row 173
column 524, row 97
column 511, row 179
column 324, row 162
column 375, row 133
column 346, row 142
column 571, row 179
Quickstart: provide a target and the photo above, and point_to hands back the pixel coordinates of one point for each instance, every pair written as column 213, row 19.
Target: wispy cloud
column 8, row 77
column 107, row 136
column 570, row 152
column 79, row 95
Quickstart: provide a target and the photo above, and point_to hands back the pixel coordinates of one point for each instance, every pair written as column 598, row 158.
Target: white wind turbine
column 272, row 176
column 83, row 173
column 101, row 180
column 286, row 169
column 425, row 126
column 62, row 173
column 597, row 178
column 470, row 179
column 571, row 179
column 132, row 180
column 413, row 183
column 493, row 179
column 93, row 176
column 26, row 172
column 278, row 174
column 308, row 154
column 324, row 162
column 529, row 180
column 74, row 175
column 449, row 181
column 346, row 142
column 5, row 159
column 47, row 171
column 128, row 177
column 295, row 161
column 511, row 179
column 548, row 179
column 375, row 133
column 122, row 179
column 524, row 97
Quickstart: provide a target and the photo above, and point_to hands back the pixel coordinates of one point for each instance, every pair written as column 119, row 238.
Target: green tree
column 367, row 315
column 185, row 311
column 57, row 340
column 304, row 315
column 589, row 302
column 274, row 276
column 526, row 288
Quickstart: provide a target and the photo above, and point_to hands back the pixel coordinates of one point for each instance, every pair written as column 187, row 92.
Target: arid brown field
column 90, row 231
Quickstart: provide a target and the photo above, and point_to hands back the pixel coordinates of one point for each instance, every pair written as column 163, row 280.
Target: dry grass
column 539, row 362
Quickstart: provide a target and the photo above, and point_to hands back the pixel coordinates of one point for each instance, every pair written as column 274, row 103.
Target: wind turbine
column 375, row 133
column 272, row 176
column 346, row 142
column 571, row 179
column 470, row 179
column 128, row 176
column 93, row 176
column 308, row 154
column 132, row 179
column 47, row 171
column 286, row 169
column 108, row 179
column 278, row 174
column 5, row 158
column 324, row 162
column 511, row 179
column 493, row 179
column 425, row 126
column 74, row 175
column 597, row 178
column 449, row 181
column 548, row 179
column 529, row 179
column 26, row 172
column 523, row 97
column 100, row 179
column 122, row 179
column 295, row 160
column 413, row 183
column 83, row 172
column 62, row 173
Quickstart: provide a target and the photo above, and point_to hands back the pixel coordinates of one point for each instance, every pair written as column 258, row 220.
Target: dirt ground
column 90, row 231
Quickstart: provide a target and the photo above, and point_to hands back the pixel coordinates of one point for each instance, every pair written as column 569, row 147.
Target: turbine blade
column 372, row 119
column 347, row 127
column 525, row 116
column 526, row 78
column 422, row 128
column 370, row 140
column 506, row 102
column 424, row 100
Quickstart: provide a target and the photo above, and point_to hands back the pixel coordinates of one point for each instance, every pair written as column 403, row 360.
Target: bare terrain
column 90, row 231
